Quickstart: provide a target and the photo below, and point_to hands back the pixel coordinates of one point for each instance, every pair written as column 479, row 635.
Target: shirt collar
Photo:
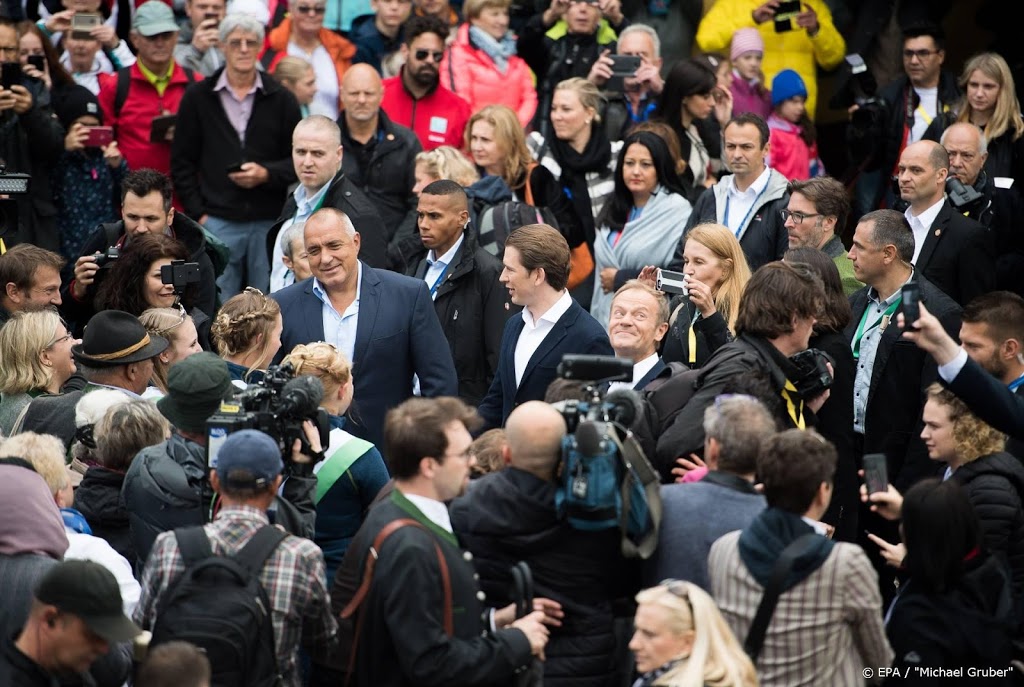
column 926, row 218
column 153, row 77
column 754, row 189
column 320, row 292
column 447, row 258
column 242, row 512
column 222, row 82
column 300, row 196
column 873, row 293
column 553, row 314
column 644, row 366
column 819, row 527
column 435, row 511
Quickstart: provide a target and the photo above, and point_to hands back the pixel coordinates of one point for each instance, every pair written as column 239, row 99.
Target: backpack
column 495, row 222
column 219, row 605
column 607, row 482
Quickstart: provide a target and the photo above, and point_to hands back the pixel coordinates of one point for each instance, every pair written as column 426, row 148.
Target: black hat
column 195, row 388
column 114, row 337
column 90, row 591
column 73, row 102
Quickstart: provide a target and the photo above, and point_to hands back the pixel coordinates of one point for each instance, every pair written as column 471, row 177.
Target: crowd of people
column 287, row 289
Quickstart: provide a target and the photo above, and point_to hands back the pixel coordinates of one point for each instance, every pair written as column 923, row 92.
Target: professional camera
column 106, row 259
column 813, row 377
column 598, row 369
column 12, row 185
column 276, row 405
column 960, row 194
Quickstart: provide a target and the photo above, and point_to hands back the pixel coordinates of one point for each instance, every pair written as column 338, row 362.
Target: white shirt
column 535, row 332
column 86, row 547
column 435, row 511
column 340, row 328
column 639, row 370
column 739, row 205
column 438, row 267
column 922, row 224
column 925, row 112
column 281, row 276
column 326, row 100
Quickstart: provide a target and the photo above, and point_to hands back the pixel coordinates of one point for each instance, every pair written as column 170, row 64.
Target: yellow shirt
column 159, row 82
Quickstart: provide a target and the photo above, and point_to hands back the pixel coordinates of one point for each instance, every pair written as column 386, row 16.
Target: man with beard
column 415, row 98
column 30, row 279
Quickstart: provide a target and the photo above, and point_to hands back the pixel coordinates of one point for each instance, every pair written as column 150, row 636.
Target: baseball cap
column 154, row 17
column 249, row 458
column 88, row 590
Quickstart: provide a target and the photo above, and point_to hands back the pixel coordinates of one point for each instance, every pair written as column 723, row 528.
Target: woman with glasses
column 482, row 65
column 682, row 640
column 353, row 472
column 302, row 34
column 175, row 325
column 702, row 321
column 35, row 347
column 247, row 334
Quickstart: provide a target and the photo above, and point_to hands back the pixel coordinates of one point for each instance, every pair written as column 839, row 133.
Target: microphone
column 301, row 396
column 588, row 438
column 626, row 406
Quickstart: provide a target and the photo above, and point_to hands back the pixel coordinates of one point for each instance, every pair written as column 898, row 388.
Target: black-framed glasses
column 422, row 55
column 798, row 217
column 919, row 54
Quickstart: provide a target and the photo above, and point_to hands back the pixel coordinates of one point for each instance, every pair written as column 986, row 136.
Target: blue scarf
column 498, row 51
column 762, row 542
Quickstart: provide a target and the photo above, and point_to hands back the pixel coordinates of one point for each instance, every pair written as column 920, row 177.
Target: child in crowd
column 794, row 150
column 748, row 91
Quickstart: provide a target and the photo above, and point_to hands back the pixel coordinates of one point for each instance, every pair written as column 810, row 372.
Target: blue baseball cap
column 249, row 458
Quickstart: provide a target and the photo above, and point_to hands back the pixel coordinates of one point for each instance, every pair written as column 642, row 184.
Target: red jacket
column 132, row 124
column 438, row 118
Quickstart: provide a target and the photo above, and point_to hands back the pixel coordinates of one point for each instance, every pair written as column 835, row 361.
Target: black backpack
column 219, row 605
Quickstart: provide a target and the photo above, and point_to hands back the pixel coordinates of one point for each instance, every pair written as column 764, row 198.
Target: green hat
column 195, row 388
column 154, row 17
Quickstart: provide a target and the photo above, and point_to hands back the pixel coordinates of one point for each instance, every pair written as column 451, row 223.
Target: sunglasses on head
column 436, row 55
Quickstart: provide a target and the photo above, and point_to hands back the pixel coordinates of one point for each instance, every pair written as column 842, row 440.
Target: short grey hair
column 739, row 424
column 295, row 231
column 647, row 31
column 244, row 21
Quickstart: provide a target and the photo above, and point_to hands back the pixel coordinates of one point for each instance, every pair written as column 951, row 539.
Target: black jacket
column 205, row 144
column 896, row 95
column 98, row 499
column 345, row 196
column 709, row 334
column 995, row 487
column 1001, row 211
column 184, row 229
column 387, row 179
column 510, row 516
column 473, row 307
column 957, row 256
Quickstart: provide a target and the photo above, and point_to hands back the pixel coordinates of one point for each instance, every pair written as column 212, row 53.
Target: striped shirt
column 293, row 577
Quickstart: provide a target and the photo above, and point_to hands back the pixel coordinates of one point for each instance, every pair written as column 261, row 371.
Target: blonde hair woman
column 443, row 162
column 298, row 76
column 35, row 348
column 990, row 103
column 247, row 334
column 353, row 472
column 682, row 640
column 175, row 325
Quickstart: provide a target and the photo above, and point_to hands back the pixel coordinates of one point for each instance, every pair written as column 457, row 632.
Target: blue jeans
column 249, row 264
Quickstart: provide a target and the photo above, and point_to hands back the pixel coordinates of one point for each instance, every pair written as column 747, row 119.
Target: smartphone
column 99, row 136
column 876, row 473
column 237, row 167
column 10, row 74
column 911, row 304
column 37, row 61
column 671, row 282
column 625, row 65
column 856, row 62
column 784, row 14
column 82, row 24
column 211, row 15
column 160, row 126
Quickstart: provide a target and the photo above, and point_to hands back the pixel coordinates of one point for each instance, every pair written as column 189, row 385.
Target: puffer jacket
column 510, row 516
column 469, row 72
column 98, row 499
column 995, row 487
column 166, row 487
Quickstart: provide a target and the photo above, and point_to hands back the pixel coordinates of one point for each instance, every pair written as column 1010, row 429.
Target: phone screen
column 10, row 74
column 876, row 473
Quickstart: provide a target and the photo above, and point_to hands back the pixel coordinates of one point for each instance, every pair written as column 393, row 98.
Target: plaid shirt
column 293, row 577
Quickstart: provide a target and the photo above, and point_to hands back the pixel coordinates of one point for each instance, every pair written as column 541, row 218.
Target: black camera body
column 106, row 259
column 180, row 274
column 12, row 185
column 277, row 405
column 960, row 194
column 813, row 377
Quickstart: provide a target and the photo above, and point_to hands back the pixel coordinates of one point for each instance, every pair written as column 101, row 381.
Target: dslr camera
column 276, row 405
column 12, row 185
column 106, row 259
column 813, row 377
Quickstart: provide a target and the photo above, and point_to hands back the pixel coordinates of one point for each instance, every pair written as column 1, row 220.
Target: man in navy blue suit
column 382, row 321
column 637, row 324
column 535, row 271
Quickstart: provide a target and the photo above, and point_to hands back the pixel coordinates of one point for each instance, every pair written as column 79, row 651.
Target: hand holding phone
column 671, row 282
column 876, row 473
column 98, row 136
column 784, row 15
column 82, row 24
column 911, row 303
column 10, row 75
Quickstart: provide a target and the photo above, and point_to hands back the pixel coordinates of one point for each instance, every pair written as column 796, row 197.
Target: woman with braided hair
column 247, row 334
column 353, row 472
column 175, row 325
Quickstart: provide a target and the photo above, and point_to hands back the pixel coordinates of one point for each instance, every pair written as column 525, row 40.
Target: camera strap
column 883, row 319
column 794, row 405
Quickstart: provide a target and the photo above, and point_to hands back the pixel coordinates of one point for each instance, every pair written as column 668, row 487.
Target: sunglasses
column 422, row 55
column 311, row 9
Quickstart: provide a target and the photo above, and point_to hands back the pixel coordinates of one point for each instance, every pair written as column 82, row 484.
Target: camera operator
column 198, row 46
column 145, row 208
column 168, row 486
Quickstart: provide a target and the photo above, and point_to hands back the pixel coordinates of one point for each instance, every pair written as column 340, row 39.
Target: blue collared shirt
column 438, row 267
column 340, row 328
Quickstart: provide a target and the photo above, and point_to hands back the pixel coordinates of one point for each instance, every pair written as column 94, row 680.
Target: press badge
column 438, row 125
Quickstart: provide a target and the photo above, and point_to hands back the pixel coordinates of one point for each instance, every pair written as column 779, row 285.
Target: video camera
column 11, row 185
column 276, row 405
column 618, row 407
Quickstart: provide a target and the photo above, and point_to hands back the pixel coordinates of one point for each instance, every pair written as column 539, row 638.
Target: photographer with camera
column 145, row 208
column 168, row 485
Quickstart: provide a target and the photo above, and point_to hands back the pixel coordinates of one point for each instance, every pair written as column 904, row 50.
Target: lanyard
column 794, row 408
column 1012, row 386
column 440, row 278
column 883, row 320
column 692, row 340
column 924, row 115
column 743, row 222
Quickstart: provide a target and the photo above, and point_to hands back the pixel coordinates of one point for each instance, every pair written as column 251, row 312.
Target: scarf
column 594, row 159
column 649, row 678
column 498, row 51
column 762, row 542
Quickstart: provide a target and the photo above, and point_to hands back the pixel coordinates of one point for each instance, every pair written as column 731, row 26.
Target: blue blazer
column 397, row 335
column 575, row 332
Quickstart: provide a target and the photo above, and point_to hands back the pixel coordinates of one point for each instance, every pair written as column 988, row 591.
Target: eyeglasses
column 243, row 43
column 57, row 341
column 798, row 217
column 422, row 55
column 311, row 9
column 919, row 54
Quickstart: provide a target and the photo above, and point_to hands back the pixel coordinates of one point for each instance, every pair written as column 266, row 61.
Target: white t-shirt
column 925, row 112
column 325, row 102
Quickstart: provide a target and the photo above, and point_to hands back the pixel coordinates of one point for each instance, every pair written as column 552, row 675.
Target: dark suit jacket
column 649, row 377
column 957, row 256
column 397, row 336
column 575, row 332
column 901, row 373
column 990, row 399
